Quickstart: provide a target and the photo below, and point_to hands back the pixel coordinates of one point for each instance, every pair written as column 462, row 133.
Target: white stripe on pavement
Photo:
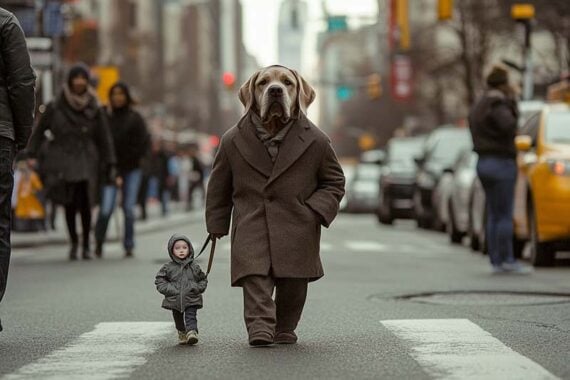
column 364, row 245
column 110, row 351
column 459, row 349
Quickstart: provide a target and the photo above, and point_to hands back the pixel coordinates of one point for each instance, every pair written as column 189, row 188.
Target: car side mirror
column 448, row 170
column 419, row 161
column 523, row 143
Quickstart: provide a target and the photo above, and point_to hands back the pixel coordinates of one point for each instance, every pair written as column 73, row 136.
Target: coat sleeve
column 20, row 80
column 326, row 199
column 504, row 117
column 201, row 279
column 219, row 201
column 104, row 139
column 38, row 133
column 163, row 285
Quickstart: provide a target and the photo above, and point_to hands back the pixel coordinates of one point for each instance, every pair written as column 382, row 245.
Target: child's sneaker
column 191, row 337
column 182, row 337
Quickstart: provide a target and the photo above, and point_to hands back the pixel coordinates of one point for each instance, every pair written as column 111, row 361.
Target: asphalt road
column 102, row 319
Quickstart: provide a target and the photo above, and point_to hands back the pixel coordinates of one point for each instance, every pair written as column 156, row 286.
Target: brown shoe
column 260, row 339
column 285, row 337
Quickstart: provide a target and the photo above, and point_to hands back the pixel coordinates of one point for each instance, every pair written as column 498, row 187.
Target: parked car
column 464, row 174
column 441, row 149
column 398, row 179
column 477, row 218
column 527, row 109
column 362, row 192
column 542, row 192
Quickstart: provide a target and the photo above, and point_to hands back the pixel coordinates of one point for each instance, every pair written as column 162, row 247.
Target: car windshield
column 448, row 146
column 558, row 127
column 368, row 172
column 404, row 151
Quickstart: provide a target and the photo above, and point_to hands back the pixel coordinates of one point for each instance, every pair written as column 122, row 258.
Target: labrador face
column 276, row 92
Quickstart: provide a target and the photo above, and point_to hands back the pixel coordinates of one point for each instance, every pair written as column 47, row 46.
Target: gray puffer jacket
column 182, row 282
column 17, row 82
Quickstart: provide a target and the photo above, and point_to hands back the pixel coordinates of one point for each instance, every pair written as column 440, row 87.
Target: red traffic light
column 229, row 79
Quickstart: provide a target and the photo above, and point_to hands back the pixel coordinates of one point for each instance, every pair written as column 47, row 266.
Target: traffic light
column 444, row 9
column 229, row 80
column 374, row 86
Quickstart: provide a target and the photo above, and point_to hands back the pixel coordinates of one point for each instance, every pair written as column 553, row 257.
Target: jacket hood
column 174, row 239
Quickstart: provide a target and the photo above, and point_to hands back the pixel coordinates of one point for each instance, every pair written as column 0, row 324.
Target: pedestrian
column 17, row 106
column 131, row 140
column 80, row 140
column 182, row 283
column 493, row 122
column 29, row 212
column 196, row 177
column 160, row 177
column 277, row 179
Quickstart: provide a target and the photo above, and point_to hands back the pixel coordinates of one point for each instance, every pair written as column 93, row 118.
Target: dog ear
column 305, row 93
column 247, row 92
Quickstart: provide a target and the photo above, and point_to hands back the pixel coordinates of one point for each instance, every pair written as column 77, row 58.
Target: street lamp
column 524, row 13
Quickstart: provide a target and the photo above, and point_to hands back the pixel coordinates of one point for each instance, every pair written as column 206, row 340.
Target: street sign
column 41, row 52
column 337, row 23
column 106, row 76
column 401, row 78
column 54, row 25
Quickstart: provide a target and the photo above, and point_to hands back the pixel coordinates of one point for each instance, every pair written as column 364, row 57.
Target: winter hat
column 498, row 76
column 79, row 69
column 123, row 86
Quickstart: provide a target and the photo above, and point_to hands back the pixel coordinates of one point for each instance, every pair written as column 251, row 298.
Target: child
column 182, row 283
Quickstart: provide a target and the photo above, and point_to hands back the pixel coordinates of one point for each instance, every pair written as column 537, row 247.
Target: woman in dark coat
column 80, row 138
column 131, row 140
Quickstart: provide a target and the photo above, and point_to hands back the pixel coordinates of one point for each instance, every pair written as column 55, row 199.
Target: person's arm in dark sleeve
column 326, row 199
column 142, row 137
column 38, row 133
column 504, row 117
column 163, row 285
column 219, row 201
column 20, row 80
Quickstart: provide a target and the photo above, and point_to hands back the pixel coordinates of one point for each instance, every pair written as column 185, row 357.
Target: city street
column 102, row 319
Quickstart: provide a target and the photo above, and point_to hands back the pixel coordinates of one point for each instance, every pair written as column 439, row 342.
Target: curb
column 43, row 239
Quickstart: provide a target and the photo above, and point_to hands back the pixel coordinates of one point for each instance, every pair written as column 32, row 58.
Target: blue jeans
column 498, row 176
column 7, row 152
column 130, row 190
column 186, row 321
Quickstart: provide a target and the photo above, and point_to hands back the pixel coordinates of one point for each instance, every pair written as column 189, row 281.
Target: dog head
column 276, row 92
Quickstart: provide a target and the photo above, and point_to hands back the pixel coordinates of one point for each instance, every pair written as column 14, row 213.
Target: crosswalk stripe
column 110, row 351
column 460, row 349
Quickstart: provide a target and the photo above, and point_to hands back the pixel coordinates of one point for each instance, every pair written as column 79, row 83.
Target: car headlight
column 559, row 167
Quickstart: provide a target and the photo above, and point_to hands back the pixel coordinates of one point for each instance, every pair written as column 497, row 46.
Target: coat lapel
column 295, row 144
column 251, row 148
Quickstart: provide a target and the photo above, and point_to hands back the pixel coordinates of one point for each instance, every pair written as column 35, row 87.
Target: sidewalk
column 155, row 222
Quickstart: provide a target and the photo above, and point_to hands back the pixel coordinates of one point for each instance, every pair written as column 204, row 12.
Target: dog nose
column 275, row 91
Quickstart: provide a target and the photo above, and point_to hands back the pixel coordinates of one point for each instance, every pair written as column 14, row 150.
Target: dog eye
column 288, row 82
column 262, row 83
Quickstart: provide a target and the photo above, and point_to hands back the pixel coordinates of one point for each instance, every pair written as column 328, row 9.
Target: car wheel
column 541, row 253
column 384, row 217
column 455, row 236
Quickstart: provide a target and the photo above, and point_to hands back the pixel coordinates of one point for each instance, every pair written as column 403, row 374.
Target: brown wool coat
column 276, row 209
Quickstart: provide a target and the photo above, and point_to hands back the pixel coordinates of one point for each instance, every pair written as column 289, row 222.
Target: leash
column 212, row 250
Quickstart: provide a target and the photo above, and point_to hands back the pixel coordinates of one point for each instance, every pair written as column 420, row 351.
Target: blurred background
column 380, row 67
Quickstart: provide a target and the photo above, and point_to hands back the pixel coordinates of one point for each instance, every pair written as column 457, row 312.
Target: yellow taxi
column 542, row 193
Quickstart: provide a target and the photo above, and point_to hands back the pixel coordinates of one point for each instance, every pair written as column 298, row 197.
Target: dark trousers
column 498, row 177
column 186, row 321
column 262, row 313
column 7, row 152
column 79, row 202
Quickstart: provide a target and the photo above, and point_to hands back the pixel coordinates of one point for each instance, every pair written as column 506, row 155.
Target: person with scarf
column 131, row 141
column 79, row 139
